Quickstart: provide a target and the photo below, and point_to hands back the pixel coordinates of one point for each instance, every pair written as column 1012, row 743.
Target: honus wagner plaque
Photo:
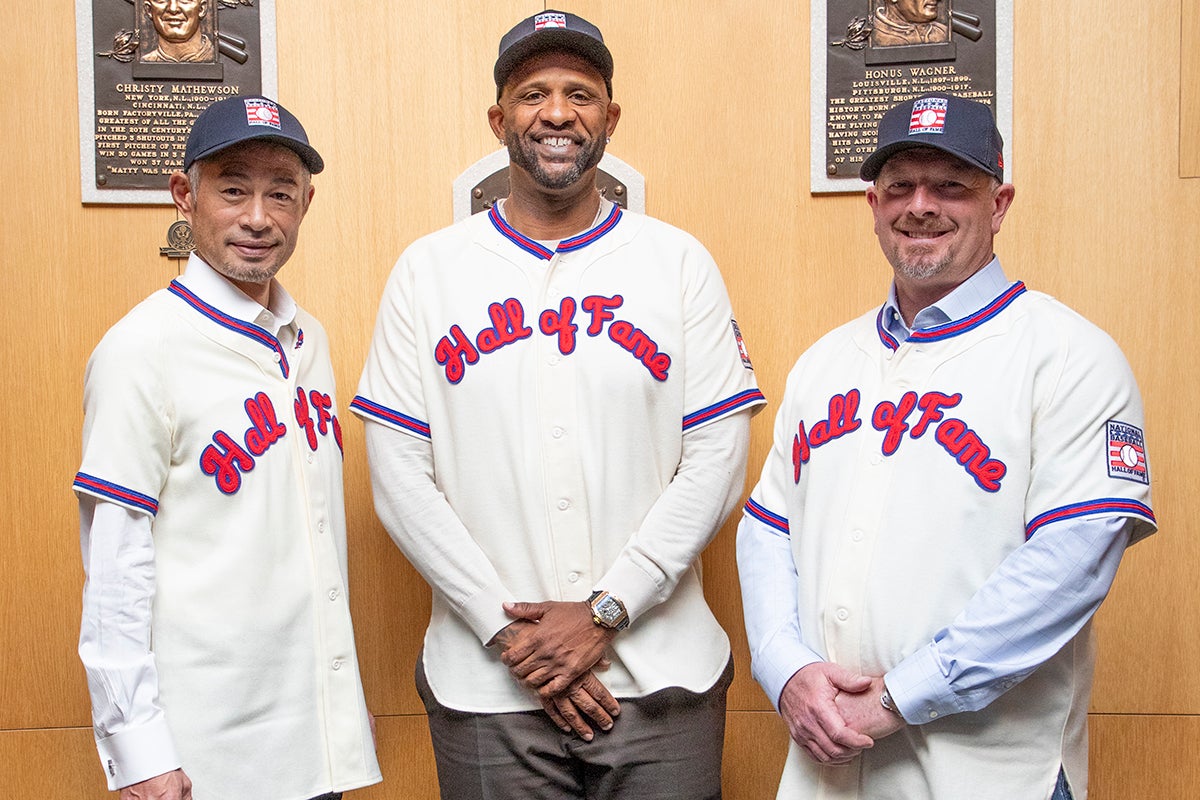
column 869, row 55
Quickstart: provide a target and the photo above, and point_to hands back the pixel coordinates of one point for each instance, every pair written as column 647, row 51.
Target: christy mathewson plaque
column 147, row 68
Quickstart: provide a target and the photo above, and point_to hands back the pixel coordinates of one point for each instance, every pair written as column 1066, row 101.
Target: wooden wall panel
column 1150, row 757
column 51, row 762
column 715, row 99
column 1189, row 89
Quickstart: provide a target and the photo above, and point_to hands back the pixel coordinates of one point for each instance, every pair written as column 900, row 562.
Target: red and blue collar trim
column 252, row 332
column 565, row 246
column 955, row 327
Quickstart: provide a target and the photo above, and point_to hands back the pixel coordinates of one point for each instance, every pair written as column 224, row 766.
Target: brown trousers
column 664, row 746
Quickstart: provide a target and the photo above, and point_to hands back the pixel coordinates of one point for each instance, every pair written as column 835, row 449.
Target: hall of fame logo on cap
column 262, row 112
column 928, row 116
column 549, row 21
column 1127, row 452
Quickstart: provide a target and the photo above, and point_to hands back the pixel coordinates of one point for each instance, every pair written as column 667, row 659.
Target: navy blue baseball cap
column 239, row 119
column 553, row 30
column 955, row 125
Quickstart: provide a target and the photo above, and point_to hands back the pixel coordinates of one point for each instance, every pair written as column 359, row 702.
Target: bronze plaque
column 869, row 55
column 147, row 68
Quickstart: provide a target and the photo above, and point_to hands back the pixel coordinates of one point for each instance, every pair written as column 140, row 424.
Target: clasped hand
column 834, row 714
column 552, row 649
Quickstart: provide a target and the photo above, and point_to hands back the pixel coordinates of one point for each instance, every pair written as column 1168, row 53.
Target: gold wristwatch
column 608, row 611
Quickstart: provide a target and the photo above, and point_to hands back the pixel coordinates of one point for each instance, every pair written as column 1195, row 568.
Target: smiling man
column 954, row 479
column 216, row 628
column 904, row 22
column 557, row 408
column 178, row 26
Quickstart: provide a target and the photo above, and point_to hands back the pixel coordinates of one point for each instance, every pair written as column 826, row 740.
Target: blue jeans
column 1061, row 790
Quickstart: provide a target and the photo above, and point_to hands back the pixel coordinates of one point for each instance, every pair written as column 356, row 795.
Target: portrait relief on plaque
column 180, row 32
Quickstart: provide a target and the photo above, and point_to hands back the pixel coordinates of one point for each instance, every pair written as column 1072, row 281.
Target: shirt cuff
column 484, row 612
column 136, row 754
column 785, row 660
column 636, row 590
column 919, row 689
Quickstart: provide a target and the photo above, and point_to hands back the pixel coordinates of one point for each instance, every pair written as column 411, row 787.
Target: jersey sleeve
column 768, row 500
column 126, row 425
column 389, row 391
column 720, row 377
column 1088, row 451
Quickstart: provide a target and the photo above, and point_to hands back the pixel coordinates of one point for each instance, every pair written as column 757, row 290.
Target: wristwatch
column 886, row 701
column 608, row 611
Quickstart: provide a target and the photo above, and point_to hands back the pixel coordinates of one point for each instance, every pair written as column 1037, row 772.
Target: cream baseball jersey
column 903, row 474
column 231, row 441
column 555, row 386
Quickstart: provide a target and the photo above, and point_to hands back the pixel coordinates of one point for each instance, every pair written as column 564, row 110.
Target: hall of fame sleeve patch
column 741, row 344
column 1126, row 454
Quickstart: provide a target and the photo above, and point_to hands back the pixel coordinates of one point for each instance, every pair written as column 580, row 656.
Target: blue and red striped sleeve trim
column 1108, row 506
column 252, row 332
column 118, row 494
column 364, row 407
column 766, row 517
column 720, row 409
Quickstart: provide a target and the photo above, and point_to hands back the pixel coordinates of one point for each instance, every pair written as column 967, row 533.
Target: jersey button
column 857, row 536
column 573, row 577
column 337, row 664
column 557, row 433
column 843, row 614
column 564, row 504
column 333, row 595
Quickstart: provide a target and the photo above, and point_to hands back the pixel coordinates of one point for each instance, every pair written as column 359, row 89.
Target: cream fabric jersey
column 231, row 442
column 554, row 387
column 903, row 474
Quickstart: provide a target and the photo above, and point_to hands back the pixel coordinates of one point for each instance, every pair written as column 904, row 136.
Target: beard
column 921, row 268
column 522, row 155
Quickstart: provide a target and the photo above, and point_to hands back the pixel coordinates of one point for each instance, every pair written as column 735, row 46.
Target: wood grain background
column 715, row 98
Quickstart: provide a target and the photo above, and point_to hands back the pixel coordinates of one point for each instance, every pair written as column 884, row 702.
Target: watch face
column 608, row 610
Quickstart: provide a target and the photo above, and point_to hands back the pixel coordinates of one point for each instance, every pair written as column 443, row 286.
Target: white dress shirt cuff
column 776, row 666
column 920, row 692
column 136, row 754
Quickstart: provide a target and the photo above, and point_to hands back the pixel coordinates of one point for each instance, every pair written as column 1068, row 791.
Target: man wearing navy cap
column 954, row 478
column 216, row 631
column 557, row 415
